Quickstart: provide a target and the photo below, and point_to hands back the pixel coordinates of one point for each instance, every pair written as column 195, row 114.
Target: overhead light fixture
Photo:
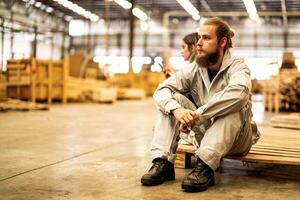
column 78, row 9
column 188, row 6
column 49, row 10
column 38, row 4
column 139, row 14
column 135, row 11
column 124, row 4
column 251, row 9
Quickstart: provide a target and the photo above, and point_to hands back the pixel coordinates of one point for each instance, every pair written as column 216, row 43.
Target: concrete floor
column 99, row 151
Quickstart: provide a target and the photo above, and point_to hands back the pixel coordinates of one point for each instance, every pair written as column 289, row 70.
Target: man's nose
column 199, row 43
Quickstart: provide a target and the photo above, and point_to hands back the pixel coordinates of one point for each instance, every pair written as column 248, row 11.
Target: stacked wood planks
column 281, row 92
column 286, row 121
column 131, row 85
column 131, row 93
column 277, row 146
column 18, row 105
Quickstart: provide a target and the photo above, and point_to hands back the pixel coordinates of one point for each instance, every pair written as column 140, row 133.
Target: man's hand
column 186, row 118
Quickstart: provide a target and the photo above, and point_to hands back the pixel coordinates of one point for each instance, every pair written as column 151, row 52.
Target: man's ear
column 223, row 42
column 193, row 48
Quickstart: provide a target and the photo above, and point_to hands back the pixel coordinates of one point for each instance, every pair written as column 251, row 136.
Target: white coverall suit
column 224, row 103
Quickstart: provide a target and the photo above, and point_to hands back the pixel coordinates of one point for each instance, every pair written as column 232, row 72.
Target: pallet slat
column 277, row 146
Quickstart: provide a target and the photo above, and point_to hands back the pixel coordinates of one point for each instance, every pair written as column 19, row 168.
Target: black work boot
column 199, row 179
column 161, row 170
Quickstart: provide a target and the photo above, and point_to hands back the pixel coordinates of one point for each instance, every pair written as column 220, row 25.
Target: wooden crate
column 2, row 86
column 27, row 78
column 34, row 79
column 277, row 146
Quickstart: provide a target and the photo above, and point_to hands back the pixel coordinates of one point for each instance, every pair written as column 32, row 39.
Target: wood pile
column 282, row 92
column 99, row 95
column 18, row 105
column 286, row 121
column 276, row 146
column 131, row 93
column 147, row 81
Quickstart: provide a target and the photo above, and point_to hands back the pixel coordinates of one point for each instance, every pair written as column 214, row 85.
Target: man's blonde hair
column 222, row 30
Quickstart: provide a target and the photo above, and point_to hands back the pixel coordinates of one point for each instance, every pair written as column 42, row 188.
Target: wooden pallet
column 276, row 146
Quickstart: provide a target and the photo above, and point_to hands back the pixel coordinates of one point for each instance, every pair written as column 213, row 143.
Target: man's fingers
column 194, row 115
column 183, row 128
column 187, row 121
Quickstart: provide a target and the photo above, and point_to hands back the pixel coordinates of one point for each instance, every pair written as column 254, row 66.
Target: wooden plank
column 274, row 153
column 277, row 146
column 267, row 159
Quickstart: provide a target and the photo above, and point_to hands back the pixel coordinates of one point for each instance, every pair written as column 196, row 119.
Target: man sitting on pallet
column 218, row 119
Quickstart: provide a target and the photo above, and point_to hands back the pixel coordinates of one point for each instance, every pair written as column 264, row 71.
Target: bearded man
column 218, row 117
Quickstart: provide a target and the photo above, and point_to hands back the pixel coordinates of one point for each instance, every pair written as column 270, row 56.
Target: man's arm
column 232, row 98
column 179, row 82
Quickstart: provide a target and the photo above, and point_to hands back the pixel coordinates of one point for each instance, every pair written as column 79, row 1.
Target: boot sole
column 197, row 188
column 153, row 182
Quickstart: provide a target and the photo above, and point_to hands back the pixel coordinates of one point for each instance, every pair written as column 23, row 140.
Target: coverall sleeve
column 178, row 82
column 233, row 97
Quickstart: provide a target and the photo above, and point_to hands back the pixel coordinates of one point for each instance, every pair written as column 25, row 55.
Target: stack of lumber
column 99, row 95
column 83, row 90
column 147, row 81
column 282, row 92
column 131, row 93
column 2, row 86
column 286, row 121
column 18, row 105
column 277, row 146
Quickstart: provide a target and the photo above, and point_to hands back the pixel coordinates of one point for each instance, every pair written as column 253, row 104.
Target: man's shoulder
column 238, row 62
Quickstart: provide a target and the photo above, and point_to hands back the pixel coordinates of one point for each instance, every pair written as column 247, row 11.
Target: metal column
column 131, row 35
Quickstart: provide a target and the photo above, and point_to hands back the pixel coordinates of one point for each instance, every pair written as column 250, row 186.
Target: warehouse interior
column 77, row 79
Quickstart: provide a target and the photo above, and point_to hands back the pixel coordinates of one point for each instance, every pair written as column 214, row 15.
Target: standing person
column 188, row 52
column 221, row 119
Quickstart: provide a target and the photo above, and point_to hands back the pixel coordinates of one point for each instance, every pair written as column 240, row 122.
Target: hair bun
column 231, row 33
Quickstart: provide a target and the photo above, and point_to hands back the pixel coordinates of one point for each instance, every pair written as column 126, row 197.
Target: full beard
column 208, row 59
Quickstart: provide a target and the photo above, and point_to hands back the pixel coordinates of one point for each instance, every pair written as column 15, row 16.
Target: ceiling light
column 77, row 9
column 139, row 14
column 49, row 9
column 124, row 4
column 188, row 6
column 251, row 9
column 38, row 4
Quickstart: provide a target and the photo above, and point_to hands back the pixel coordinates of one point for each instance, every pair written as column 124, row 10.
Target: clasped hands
column 186, row 117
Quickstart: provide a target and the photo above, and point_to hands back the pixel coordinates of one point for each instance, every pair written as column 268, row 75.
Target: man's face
column 208, row 49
